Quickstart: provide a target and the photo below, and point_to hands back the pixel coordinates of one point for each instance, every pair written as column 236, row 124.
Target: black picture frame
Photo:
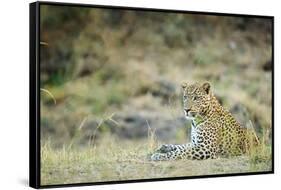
column 34, row 92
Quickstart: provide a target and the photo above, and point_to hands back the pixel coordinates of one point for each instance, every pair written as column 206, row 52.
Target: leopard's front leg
column 172, row 152
column 185, row 151
column 166, row 148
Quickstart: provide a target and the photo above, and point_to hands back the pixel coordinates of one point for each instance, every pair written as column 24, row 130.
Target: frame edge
column 34, row 141
column 34, row 90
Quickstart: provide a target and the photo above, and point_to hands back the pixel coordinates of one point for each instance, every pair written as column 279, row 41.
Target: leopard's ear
column 207, row 87
column 184, row 85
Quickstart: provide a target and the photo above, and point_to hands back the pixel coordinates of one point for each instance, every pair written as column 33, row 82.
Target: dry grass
column 114, row 159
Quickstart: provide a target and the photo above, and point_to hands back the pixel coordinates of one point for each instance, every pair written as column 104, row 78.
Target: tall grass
column 112, row 158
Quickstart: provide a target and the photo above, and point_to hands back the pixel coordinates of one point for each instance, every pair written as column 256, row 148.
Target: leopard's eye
column 185, row 96
column 194, row 98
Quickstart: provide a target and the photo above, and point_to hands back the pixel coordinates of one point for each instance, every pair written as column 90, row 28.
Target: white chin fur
column 189, row 117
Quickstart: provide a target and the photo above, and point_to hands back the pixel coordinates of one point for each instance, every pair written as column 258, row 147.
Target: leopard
column 214, row 131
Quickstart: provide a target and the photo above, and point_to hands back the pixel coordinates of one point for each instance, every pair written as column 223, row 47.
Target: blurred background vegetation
column 110, row 89
column 118, row 72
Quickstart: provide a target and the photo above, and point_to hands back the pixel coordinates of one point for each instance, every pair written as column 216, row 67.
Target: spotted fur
column 214, row 131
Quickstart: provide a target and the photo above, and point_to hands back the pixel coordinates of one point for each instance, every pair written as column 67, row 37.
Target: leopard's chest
column 194, row 133
column 203, row 133
column 197, row 132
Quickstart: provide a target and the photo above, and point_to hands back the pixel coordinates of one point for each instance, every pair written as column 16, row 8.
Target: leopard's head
column 196, row 99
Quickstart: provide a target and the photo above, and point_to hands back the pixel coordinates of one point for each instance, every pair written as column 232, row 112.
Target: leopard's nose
column 187, row 110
